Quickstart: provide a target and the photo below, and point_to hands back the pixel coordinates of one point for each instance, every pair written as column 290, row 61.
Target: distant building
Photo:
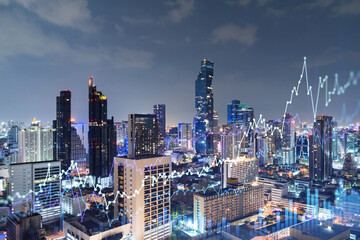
column 36, row 183
column 239, row 113
column 185, row 136
column 35, row 144
column 204, row 106
column 78, row 151
column 13, row 140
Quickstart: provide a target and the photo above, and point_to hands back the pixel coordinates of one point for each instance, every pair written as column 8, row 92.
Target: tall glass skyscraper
column 102, row 134
column 320, row 159
column 204, row 105
column 62, row 125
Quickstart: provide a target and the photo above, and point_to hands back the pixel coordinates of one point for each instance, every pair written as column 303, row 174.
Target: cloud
column 138, row 21
column 20, row 36
column 65, row 13
column 341, row 7
column 231, row 32
column 348, row 8
column 184, row 9
column 275, row 12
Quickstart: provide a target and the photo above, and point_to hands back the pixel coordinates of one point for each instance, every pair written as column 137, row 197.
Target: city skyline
column 139, row 51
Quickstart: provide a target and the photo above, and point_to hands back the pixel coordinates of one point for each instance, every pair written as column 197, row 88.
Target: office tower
column 102, row 134
column 62, row 127
column 37, row 184
column 288, row 139
column 35, row 144
column 13, row 141
column 78, row 152
column 185, row 136
column 212, row 208
column 320, row 161
column 143, row 135
column 241, row 170
column 159, row 111
column 122, row 137
column 239, row 113
column 204, row 105
column 25, row 225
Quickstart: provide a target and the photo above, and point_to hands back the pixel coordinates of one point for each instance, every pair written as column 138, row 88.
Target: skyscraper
column 204, row 105
column 35, row 144
column 143, row 135
column 288, row 140
column 159, row 111
column 320, row 159
column 102, row 134
column 62, row 150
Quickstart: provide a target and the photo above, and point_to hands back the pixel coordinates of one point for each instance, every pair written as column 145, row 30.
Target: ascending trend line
column 323, row 81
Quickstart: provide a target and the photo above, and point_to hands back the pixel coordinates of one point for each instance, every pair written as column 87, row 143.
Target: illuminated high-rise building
column 143, row 135
column 204, row 105
column 320, row 154
column 102, row 134
column 62, row 126
column 288, row 140
column 160, row 112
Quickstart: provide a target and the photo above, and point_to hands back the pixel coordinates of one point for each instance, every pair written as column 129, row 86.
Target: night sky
column 143, row 53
